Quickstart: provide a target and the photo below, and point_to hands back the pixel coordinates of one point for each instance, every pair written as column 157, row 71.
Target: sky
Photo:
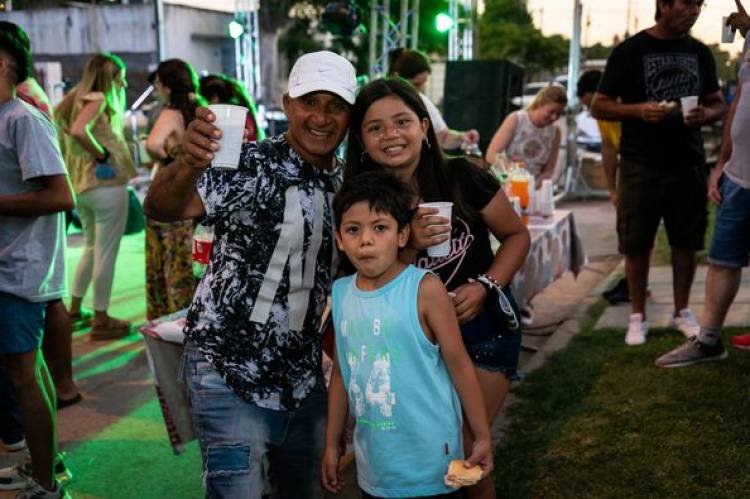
column 607, row 17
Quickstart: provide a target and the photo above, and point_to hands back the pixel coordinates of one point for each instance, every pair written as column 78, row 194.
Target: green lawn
column 599, row 420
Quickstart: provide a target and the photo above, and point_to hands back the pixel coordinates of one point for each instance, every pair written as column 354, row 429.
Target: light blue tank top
column 407, row 412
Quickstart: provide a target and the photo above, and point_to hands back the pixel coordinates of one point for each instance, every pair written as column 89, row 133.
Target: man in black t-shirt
column 662, row 170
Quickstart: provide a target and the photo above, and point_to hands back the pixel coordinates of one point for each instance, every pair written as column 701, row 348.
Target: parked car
column 532, row 88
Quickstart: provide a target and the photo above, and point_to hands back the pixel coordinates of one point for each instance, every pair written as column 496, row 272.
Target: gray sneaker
column 36, row 491
column 692, row 352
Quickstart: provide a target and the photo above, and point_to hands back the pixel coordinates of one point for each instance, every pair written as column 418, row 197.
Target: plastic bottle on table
column 203, row 241
column 520, row 180
column 470, row 149
column 499, row 169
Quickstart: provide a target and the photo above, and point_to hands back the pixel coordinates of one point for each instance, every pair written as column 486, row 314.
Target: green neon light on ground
column 133, row 458
column 115, row 363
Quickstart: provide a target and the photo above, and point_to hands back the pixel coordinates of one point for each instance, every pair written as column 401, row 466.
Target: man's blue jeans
column 235, row 435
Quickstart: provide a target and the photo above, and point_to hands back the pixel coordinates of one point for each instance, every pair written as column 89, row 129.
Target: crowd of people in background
column 426, row 347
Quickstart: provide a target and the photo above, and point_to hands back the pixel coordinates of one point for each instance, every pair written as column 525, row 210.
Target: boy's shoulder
column 342, row 282
column 430, row 284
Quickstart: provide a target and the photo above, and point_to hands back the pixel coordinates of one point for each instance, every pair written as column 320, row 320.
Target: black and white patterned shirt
column 256, row 311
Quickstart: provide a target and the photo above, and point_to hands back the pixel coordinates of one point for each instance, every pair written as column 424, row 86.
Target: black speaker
column 479, row 94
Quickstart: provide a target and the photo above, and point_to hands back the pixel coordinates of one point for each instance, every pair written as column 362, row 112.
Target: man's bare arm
column 54, row 196
column 607, row 108
column 714, row 108
column 609, row 162
column 172, row 195
column 726, row 135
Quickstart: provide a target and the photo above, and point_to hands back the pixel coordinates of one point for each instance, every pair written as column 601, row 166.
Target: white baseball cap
column 323, row 71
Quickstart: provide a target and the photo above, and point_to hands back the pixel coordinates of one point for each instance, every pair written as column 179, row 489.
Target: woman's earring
column 363, row 156
column 427, row 143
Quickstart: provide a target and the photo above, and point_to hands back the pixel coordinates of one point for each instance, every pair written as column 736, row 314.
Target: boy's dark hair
column 15, row 43
column 588, row 83
column 381, row 190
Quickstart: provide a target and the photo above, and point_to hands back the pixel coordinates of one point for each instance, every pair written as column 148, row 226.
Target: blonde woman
column 98, row 159
column 170, row 283
column 531, row 135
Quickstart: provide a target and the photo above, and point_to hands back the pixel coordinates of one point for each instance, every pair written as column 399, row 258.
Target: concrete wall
column 199, row 37
column 75, row 30
column 69, row 35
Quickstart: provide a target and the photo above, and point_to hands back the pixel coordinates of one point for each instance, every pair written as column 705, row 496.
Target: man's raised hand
column 201, row 139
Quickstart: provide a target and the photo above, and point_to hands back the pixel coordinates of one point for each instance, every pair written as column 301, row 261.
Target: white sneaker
column 15, row 446
column 637, row 330
column 687, row 324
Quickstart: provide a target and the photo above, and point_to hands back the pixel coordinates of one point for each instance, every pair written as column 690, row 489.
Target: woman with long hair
column 170, row 282
column 390, row 130
column 100, row 166
column 221, row 89
column 531, row 135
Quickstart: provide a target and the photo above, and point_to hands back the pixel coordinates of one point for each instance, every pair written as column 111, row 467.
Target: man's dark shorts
column 22, row 324
column 649, row 193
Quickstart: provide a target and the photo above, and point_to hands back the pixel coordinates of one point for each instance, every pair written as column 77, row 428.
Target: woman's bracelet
column 488, row 281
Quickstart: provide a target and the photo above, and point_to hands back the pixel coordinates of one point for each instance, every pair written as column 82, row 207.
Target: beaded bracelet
column 488, row 281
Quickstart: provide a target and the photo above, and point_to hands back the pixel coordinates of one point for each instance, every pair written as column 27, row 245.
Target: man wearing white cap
column 253, row 347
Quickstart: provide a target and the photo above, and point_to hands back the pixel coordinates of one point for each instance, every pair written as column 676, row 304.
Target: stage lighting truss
column 461, row 33
column 387, row 34
column 247, row 46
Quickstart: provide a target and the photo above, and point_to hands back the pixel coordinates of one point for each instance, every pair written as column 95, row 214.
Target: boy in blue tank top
column 400, row 367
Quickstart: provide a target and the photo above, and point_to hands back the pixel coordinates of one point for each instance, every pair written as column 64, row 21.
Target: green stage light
column 236, row 29
column 443, row 22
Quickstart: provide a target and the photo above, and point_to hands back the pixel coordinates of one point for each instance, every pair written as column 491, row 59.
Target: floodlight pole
column 160, row 32
column 574, row 185
column 574, row 59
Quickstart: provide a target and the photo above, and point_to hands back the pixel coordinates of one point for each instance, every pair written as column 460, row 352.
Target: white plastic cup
column 231, row 121
column 533, row 198
column 727, row 32
column 515, row 201
column 688, row 104
column 547, row 199
column 445, row 208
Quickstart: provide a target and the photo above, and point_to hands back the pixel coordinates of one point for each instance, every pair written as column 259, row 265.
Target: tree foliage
column 726, row 65
column 506, row 31
column 303, row 33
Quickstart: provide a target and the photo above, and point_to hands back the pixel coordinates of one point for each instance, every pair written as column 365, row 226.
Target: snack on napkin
column 459, row 476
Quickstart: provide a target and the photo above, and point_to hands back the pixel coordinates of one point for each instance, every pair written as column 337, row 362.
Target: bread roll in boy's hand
column 460, row 476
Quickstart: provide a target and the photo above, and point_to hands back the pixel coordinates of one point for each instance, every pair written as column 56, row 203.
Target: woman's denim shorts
column 491, row 349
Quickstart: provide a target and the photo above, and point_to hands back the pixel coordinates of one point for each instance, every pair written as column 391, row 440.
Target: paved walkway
column 660, row 306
